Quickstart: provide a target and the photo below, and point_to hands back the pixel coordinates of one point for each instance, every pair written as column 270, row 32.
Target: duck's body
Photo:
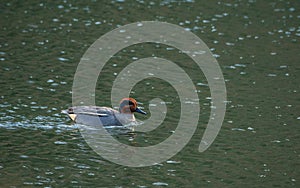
column 105, row 116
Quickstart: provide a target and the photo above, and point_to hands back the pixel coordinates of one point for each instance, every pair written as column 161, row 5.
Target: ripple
column 238, row 129
column 83, row 166
column 39, row 122
column 160, row 184
column 60, row 143
column 173, row 162
column 24, row 156
column 63, row 59
column 59, row 167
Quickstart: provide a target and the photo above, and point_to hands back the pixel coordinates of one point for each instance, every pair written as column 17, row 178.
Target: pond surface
column 256, row 44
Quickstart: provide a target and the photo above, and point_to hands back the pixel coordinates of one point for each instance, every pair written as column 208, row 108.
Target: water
column 256, row 44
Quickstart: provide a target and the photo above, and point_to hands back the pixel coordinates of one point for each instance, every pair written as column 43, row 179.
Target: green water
column 256, row 44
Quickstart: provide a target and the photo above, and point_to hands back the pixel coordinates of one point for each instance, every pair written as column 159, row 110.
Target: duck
column 88, row 115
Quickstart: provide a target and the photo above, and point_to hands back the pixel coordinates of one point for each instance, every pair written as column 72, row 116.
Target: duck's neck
column 125, row 118
column 126, row 113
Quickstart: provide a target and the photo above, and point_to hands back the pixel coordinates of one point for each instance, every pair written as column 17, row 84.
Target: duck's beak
column 140, row 111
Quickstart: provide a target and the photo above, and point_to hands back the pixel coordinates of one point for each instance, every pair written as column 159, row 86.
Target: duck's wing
column 91, row 110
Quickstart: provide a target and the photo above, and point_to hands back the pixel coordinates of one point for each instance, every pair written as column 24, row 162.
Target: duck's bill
column 140, row 111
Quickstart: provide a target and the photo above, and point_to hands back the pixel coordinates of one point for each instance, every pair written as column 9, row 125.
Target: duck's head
column 129, row 105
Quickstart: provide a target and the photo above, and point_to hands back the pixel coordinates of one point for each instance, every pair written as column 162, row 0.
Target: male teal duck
column 108, row 116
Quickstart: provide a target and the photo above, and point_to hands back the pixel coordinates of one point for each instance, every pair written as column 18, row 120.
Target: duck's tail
column 70, row 114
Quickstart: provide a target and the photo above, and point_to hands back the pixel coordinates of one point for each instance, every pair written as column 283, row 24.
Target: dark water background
column 255, row 42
